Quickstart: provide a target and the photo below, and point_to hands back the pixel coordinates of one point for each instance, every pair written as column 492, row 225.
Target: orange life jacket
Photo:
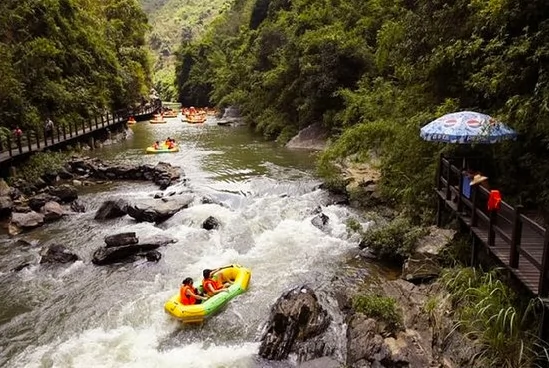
column 216, row 285
column 187, row 299
column 494, row 200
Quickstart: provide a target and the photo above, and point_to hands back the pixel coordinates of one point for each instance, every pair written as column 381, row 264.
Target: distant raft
column 158, row 119
column 198, row 312
column 163, row 149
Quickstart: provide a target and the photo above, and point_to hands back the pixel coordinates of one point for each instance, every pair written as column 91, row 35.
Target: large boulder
column 112, row 209
column 127, row 253
column 158, row 210
column 120, row 239
column 52, row 211
column 38, row 201
column 312, row 137
column 66, row 192
column 296, row 324
column 25, row 221
column 57, row 253
column 165, row 174
column 6, row 206
column 425, row 263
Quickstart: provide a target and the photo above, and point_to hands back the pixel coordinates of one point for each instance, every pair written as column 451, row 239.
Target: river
column 82, row 315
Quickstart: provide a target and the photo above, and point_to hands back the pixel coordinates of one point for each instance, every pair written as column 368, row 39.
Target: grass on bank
column 490, row 313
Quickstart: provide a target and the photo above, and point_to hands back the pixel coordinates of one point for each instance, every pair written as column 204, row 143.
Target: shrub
column 41, row 163
column 395, row 241
column 379, row 307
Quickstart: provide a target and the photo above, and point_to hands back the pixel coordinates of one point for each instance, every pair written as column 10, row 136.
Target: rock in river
column 158, row 210
column 107, row 255
column 296, row 322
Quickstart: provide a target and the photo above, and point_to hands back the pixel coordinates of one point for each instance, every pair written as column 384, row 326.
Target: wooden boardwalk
column 515, row 240
column 34, row 141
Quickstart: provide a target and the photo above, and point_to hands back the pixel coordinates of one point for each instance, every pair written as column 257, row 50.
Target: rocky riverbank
column 387, row 323
column 26, row 205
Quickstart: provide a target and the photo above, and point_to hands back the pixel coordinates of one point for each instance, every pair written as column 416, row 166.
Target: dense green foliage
column 40, row 164
column 69, row 59
column 374, row 71
column 491, row 314
column 173, row 21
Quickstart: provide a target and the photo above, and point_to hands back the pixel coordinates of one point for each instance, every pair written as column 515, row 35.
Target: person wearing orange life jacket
column 210, row 285
column 188, row 295
column 156, row 145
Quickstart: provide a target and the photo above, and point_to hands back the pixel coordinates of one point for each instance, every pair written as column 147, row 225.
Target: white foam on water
column 113, row 316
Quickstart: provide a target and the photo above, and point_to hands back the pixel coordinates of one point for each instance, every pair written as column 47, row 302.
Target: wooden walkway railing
column 518, row 242
column 31, row 141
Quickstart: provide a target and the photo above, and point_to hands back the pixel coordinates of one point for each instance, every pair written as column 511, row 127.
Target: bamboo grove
column 374, row 71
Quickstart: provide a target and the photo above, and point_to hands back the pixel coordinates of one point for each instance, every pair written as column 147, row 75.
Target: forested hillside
column 172, row 22
column 374, row 71
column 69, row 59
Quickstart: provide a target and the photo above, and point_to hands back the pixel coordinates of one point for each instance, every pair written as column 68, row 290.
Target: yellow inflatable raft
column 163, row 149
column 198, row 312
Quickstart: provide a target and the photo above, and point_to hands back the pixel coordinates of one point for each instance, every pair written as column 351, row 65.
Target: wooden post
column 491, row 231
column 64, row 133
column 19, row 144
column 107, row 118
column 544, row 325
column 516, row 235
column 439, row 171
column 83, row 126
column 474, row 250
column 543, row 286
column 96, row 123
column 474, row 216
column 102, row 121
column 37, row 139
column 58, row 133
column 459, row 197
column 1, row 144
column 448, row 183
column 440, row 208
column 29, row 144
column 9, row 145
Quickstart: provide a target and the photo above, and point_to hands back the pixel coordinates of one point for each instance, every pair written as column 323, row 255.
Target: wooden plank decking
column 34, row 141
column 516, row 241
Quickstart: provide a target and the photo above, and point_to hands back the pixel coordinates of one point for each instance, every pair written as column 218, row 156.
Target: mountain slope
column 172, row 22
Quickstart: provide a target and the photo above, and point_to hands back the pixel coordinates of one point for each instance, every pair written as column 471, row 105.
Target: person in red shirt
column 188, row 295
column 18, row 132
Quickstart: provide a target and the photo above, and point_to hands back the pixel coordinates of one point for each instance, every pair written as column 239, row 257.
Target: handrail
column 34, row 140
column 508, row 223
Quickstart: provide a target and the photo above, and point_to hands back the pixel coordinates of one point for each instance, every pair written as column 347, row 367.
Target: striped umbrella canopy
column 466, row 127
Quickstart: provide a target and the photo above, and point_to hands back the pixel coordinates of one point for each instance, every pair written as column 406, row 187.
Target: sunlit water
column 82, row 315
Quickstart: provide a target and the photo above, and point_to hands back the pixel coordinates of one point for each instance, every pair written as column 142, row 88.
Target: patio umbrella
column 467, row 127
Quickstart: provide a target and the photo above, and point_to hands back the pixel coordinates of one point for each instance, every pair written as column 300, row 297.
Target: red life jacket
column 215, row 285
column 494, row 200
column 187, row 299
